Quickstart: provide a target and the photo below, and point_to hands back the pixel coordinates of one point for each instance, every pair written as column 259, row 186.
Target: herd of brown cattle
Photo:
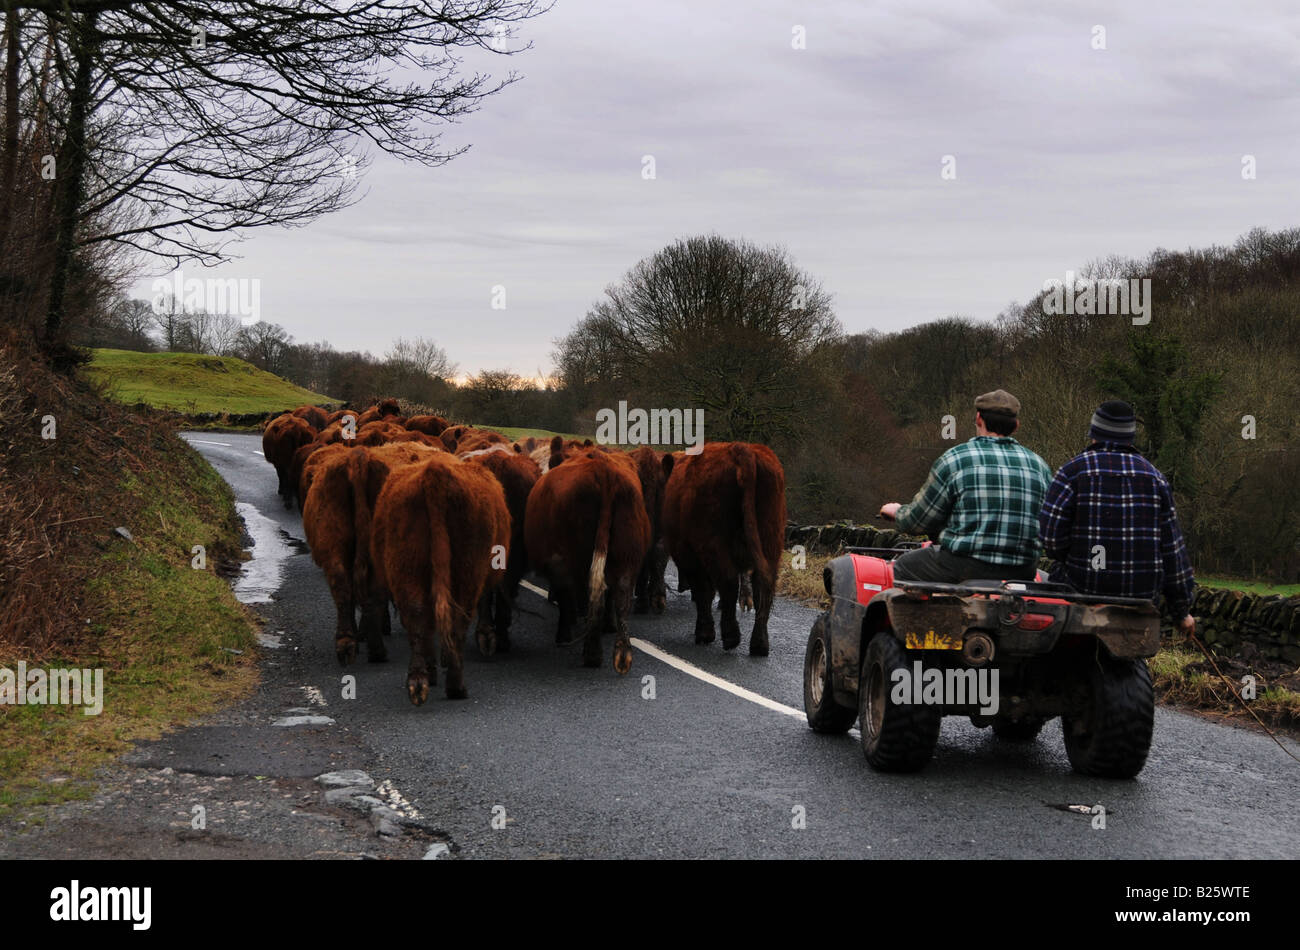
column 445, row 520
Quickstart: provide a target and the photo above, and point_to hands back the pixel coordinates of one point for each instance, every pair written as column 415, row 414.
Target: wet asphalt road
column 574, row 762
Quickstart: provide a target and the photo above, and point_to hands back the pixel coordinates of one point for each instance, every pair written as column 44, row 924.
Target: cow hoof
column 417, row 688
column 622, row 660
column 487, row 642
column 377, row 656
column 730, row 644
column 659, row 604
column 758, row 646
column 345, row 648
column 503, row 642
column 459, row 692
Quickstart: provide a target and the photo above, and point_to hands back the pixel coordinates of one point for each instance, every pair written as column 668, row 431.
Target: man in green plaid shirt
column 982, row 498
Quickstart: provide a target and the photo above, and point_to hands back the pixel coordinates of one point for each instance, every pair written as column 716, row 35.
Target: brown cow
column 315, row 416
column 429, row 425
column 653, row 470
column 517, row 475
column 283, row 436
column 440, row 527
column 384, row 409
column 372, row 435
column 343, row 485
column 480, row 439
column 463, row 438
column 724, row 514
column 587, row 531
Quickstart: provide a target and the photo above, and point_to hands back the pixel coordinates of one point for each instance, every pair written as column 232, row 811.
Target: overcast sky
column 1063, row 153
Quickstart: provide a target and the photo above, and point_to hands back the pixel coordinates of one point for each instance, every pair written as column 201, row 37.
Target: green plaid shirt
column 985, row 495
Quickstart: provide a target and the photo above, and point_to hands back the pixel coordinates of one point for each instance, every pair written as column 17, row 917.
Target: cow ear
column 668, row 464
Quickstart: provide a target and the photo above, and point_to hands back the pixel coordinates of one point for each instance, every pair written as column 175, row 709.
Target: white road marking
column 205, row 442
column 690, row 669
column 255, row 452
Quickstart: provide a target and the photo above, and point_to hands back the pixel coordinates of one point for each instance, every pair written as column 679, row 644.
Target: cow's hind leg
column 658, row 589
column 641, row 593
column 621, row 598
column 422, row 672
column 727, row 593
column 763, row 594
column 504, row 598
column 453, row 651
column 373, row 613
column 609, row 613
column 568, row 605
column 702, row 594
column 484, row 632
column 591, row 651
column 345, row 628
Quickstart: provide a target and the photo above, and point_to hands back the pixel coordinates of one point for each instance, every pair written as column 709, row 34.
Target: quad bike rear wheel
column 1113, row 736
column 896, row 737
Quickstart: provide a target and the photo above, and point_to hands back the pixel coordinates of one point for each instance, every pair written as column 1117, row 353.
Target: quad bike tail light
column 1036, row 621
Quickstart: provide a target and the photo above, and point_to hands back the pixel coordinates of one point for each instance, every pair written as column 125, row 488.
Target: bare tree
column 170, row 317
column 265, row 345
column 224, row 334
column 217, row 117
column 420, row 356
column 135, row 318
column 725, row 326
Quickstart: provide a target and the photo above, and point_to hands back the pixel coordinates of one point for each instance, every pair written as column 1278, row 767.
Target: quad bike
column 1047, row 650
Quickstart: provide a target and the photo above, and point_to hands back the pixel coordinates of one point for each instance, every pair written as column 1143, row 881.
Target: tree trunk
column 9, row 160
column 70, row 171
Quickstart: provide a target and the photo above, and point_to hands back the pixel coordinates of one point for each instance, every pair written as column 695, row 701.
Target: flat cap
column 999, row 401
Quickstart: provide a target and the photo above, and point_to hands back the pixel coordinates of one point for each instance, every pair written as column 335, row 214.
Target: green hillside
column 191, row 382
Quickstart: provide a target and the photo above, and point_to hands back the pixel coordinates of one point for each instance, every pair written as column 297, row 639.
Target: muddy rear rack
column 1018, row 589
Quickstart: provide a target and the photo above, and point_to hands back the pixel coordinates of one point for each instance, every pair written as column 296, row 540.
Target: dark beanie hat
column 1113, row 422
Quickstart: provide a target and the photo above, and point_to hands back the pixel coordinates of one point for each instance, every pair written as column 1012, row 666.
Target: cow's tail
column 358, row 474
column 600, row 549
column 747, row 479
column 439, row 548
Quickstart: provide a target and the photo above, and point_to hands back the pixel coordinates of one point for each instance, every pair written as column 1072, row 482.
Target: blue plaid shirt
column 1110, row 497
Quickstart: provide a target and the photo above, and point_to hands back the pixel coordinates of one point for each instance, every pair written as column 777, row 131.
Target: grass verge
column 1253, row 587
column 194, row 383
column 171, row 640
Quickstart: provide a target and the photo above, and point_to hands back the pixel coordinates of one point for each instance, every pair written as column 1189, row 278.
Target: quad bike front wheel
column 823, row 712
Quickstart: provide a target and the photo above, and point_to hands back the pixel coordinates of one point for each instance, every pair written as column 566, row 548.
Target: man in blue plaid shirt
column 1109, row 520
column 982, row 498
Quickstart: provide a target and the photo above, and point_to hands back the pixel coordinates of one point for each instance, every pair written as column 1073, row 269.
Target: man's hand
column 1187, row 625
column 890, row 511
